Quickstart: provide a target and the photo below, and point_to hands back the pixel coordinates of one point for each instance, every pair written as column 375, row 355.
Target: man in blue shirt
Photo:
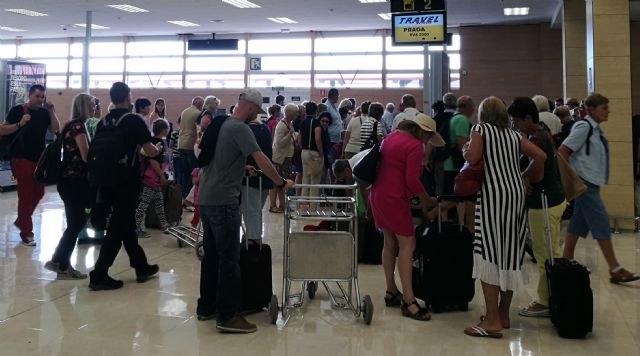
column 588, row 152
column 335, row 127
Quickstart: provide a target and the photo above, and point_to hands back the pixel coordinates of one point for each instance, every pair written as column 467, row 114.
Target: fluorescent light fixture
column 385, row 16
column 281, row 20
column 516, row 11
column 243, row 4
column 183, row 23
column 371, row 1
column 93, row 26
column 10, row 29
column 26, row 12
column 127, row 8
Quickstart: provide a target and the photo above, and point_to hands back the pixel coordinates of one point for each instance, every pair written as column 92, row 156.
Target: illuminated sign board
column 416, row 5
column 419, row 28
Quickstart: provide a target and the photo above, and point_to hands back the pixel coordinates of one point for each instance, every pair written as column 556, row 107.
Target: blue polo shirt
column 593, row 168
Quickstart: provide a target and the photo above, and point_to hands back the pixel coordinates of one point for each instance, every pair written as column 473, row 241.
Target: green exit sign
column 417, row 5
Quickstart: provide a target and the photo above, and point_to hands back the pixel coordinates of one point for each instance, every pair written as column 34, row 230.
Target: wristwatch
column 284, row 183
column 18, row 126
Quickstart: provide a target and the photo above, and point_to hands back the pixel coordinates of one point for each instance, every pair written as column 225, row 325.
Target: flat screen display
column 419, row 28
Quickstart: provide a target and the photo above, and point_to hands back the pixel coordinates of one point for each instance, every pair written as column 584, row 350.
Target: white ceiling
column 312, row 15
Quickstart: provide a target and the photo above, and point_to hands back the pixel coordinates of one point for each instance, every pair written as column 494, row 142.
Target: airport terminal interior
column 302, row 49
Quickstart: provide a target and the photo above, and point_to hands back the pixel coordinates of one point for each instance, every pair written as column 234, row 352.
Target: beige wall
column 635, row 66
column 510, row 61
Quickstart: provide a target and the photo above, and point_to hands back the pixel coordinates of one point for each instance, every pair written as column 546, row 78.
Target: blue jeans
column 188, row 162
column 220, row 268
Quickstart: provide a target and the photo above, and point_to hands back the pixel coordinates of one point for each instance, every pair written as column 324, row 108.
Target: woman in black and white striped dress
column 500, row 219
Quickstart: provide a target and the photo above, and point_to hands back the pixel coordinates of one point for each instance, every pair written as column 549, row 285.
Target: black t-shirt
column 136, row 134
column 263, row 137
column 308, row 133
column 30, row 144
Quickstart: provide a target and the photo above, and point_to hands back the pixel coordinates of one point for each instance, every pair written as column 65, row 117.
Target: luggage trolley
column 322, row 256
column 190, row 236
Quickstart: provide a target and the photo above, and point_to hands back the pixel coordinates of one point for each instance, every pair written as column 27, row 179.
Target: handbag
column 572, row 184
column 469, row 180
column 366, row 170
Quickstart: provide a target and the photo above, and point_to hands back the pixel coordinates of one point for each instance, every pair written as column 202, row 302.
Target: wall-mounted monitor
column 420, row 28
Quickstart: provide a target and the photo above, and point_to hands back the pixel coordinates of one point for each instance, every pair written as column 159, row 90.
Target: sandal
column 423, row 314
column 482, row 317
column 394, row 301
column 477, row 331
column 623, row 276
column 276, row 210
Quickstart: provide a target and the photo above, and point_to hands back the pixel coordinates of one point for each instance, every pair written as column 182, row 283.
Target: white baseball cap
column 253, row 96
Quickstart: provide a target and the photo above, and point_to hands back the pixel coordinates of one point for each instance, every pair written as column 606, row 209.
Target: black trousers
column 75, row 194
column 123, row 201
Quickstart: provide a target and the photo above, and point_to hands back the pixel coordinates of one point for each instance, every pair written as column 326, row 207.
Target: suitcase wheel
column 312, row 288
column 367, row 309
column 180, row 243
column 200, row 250
column 273, row 309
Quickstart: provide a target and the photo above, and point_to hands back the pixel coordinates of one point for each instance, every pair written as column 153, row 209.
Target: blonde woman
column 74, row 185
column 209, row 109
column 501, row 225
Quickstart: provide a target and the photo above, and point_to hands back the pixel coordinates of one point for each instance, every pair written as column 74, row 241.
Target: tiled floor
column 42, row 316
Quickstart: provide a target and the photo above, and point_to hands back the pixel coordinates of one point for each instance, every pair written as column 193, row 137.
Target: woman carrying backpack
column 73, row 186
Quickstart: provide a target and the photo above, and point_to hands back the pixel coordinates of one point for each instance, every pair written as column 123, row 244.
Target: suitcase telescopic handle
column 453, row 199
column 547, row 225
column 246, row 206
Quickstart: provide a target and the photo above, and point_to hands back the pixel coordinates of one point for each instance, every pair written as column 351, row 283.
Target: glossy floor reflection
column 42, row 316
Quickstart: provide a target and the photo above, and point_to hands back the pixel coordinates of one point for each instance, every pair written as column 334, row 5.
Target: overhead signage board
column 419, row 28
column 399, row 6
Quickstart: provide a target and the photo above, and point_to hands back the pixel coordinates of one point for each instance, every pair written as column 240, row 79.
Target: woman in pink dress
column 398, row 179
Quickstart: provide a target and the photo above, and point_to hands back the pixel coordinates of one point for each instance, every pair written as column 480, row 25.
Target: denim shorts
column 590, row 215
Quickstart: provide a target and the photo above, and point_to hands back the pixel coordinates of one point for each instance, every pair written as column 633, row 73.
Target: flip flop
column 477, row 331
column 504, row 327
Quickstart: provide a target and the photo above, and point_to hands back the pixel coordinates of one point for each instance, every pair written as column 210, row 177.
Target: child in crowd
column 153, row 178
column 195, row 180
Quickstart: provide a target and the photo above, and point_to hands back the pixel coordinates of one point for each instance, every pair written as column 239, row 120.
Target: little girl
column 153, row 179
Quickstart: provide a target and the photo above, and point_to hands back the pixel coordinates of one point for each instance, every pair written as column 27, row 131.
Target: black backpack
column 210, row 140
column 108, row 157
column 50, row 165
column 450, row 149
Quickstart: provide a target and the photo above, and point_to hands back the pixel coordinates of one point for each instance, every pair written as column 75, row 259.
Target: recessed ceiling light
column 216, row 21
column 183, row 23
column 385, row 16
column 281, row 20
column 93, row 26
column 243, row 4
column 25, row 12
column 516, row 11
column 10, row 29
column 371, row 1
column 127, row 8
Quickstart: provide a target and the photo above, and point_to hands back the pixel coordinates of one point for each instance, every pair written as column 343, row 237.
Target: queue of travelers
column 519, row 144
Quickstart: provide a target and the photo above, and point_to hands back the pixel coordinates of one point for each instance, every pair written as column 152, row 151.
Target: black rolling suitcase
column 371, row 241
column 570, row 295
column 443, row 265
column 255, row 272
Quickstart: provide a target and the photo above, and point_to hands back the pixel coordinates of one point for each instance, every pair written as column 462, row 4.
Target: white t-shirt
column 553, row 122
column 353, row 146
column 407, row 114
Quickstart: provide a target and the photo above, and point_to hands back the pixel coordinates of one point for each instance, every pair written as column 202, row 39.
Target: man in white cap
column 218, row 200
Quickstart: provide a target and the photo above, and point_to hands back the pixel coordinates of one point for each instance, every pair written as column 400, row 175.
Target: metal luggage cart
column 324, row 257
column 190, row 236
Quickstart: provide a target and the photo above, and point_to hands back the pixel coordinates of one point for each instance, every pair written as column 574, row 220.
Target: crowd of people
column 421, row 155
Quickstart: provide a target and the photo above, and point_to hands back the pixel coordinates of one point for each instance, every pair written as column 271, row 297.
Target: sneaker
column 535, row 310
column 53, row 266
column 236, row 325
column 146, row 273
column 103, row 282
column 623, row 276
column 28, row 241
column 70, row 274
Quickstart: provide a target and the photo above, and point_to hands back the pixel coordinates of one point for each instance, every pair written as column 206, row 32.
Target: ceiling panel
column 311, row 15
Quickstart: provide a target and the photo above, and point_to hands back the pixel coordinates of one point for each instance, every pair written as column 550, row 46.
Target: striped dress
column 500, row 216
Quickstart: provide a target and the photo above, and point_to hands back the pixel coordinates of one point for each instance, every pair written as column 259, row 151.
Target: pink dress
column 398, row 179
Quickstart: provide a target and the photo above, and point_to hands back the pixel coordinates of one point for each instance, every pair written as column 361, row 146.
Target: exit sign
column 398, row 6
